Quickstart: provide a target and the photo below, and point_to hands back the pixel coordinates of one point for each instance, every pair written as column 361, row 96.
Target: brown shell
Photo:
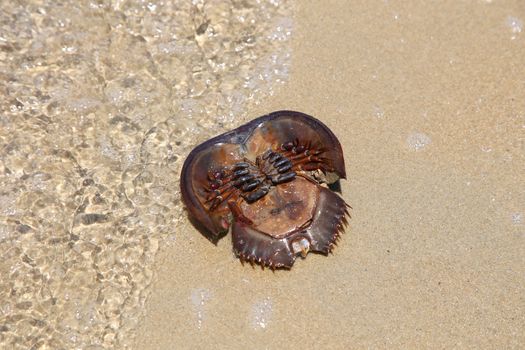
column 296, row 215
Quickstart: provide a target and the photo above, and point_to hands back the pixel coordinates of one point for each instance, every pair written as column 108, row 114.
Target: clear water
column 101, row 101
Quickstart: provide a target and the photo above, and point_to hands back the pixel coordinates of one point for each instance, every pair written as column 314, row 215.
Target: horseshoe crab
column 267, row 180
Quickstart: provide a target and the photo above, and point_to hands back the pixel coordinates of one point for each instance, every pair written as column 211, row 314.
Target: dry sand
column 427, row 99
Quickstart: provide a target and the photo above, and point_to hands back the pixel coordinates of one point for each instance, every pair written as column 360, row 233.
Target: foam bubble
column 417, row 141
column 261, row 313
column 517, row 218
column 378, row 112
column 515, row 25
column 199, row 297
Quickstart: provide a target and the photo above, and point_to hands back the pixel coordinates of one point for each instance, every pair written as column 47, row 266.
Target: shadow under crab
column 268, row 180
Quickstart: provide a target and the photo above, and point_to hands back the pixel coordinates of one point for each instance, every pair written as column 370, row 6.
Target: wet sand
column 99, row 104
column 427, row 100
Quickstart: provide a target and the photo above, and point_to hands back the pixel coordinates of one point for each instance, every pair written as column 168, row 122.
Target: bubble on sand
column 515, row 24
column 261, row 313
column 199, row 297
column 517, row 218
column 378, row 112
column 417, row 141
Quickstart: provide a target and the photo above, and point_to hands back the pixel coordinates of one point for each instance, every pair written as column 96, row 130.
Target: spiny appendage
column 253, row 260
column 329, row 221
column 339, row 229
column 263, row 261
column 306, row 156
column 255, row 247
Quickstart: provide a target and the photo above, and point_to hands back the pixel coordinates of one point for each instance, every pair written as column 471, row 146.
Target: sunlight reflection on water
column 101, row 104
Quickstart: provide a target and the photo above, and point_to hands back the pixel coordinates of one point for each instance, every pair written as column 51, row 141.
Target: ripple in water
column 100, row 104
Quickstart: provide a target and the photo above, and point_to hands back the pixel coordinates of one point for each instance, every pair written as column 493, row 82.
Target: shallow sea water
column 100, row 102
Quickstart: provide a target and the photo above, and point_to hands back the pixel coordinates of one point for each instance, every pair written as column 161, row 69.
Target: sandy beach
column 101, row 102
column 427, row 100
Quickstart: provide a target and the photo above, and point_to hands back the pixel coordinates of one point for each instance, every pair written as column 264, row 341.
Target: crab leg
column 219, row 191
column 255, row 195
column 221, row 198
column 309, row 159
